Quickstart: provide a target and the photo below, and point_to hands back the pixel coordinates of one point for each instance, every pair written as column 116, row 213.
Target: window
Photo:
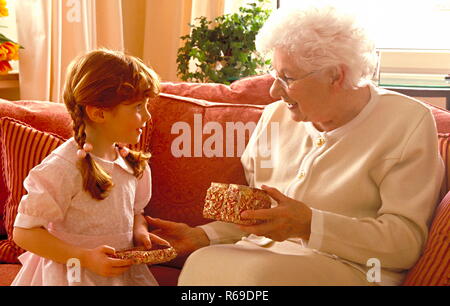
column 410, row 34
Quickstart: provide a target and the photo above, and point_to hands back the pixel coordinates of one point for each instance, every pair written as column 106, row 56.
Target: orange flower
column 9, row 51
column 3, row 9
column 5, row 67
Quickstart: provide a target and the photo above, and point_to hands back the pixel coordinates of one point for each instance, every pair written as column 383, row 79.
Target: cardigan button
column 301, row 175
column 320, row 141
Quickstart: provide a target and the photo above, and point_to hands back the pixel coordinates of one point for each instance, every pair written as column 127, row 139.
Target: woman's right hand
column 183, row 238
column 98, row 261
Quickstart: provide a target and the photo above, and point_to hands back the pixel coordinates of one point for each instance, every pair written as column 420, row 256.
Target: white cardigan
column 372, row 183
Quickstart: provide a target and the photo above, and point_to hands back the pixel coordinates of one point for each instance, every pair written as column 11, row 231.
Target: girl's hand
column 291, row 218
column 98, row 261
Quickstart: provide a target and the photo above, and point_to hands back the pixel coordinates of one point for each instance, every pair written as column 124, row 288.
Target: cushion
column 8, row 273
column 2, row 224
column 444, row 142
column 184, row 177
column 166, row 276
column 250, row 90
column 442, row 118
column 45, row 116
column 23, row 147
column 433, row 268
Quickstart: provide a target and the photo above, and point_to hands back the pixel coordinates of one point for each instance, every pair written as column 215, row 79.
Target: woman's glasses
column 287, row 83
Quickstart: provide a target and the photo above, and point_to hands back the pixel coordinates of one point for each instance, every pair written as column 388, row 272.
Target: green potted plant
column 224, row 50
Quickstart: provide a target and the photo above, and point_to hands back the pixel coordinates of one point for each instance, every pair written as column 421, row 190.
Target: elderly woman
column 355, row 170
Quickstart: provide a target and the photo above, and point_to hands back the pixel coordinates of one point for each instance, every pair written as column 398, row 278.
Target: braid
column 137, row 160
column 79, row 125
column 96, row 181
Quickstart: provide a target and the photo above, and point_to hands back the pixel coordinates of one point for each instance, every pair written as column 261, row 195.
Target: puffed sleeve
column 143, row 191
column 50, row 187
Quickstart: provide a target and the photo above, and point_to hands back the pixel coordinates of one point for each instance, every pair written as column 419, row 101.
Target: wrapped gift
column 141, row 255
column 226, row 202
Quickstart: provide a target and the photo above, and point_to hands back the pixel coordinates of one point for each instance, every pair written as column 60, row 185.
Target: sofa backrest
column 195, row 142
column 251, row 90
column 170, row 201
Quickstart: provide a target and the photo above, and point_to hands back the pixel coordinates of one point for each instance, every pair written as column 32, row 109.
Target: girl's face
column 125, row 122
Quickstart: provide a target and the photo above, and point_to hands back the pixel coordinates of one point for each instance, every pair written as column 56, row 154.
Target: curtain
column 165, row 22
column 53, row 32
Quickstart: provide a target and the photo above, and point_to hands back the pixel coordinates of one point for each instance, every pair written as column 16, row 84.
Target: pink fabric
column 442, row 118
column 251, row 90
column 180, row 184
column 45, row 116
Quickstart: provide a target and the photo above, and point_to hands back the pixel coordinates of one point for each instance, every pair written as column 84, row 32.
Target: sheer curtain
column 53, row 32
column 165, row 23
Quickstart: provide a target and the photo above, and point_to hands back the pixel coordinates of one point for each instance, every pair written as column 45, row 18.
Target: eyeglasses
column 286, row 83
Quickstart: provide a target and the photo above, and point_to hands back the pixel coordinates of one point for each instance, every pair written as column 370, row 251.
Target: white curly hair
column 321, row 36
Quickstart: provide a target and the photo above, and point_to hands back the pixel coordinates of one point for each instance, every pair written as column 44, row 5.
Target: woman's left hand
column 291, row 218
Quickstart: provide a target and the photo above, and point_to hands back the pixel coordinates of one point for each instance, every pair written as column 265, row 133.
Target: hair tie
column 87, row 147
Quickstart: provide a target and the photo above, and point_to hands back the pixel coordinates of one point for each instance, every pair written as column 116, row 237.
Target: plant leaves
column 224, row 50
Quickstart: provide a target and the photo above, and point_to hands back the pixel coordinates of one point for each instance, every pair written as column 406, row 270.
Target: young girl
column 86, row 199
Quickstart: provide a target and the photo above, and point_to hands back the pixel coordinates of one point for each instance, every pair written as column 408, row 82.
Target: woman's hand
column 143, row 237
column 291, row 218
column 182, row 237
column 98, row 261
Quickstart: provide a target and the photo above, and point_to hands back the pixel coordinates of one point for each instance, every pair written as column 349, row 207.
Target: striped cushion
column 433, row 268
column 444, row 141
column 23, row 148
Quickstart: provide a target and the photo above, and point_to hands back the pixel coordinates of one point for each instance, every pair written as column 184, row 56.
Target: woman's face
column 307, row 94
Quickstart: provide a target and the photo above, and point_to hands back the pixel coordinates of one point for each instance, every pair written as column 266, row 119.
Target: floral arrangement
column 9, row 50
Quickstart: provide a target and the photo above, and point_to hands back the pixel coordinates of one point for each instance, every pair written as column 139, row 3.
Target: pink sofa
column 179, row 183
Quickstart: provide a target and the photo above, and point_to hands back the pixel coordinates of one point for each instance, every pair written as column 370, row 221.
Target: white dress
column 57, row 202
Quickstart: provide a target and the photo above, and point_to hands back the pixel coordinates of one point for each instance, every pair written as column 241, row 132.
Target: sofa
column 183, row 162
